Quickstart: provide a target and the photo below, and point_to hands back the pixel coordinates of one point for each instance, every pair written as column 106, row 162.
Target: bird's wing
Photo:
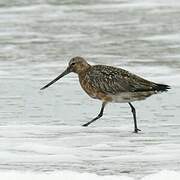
column 115, row 80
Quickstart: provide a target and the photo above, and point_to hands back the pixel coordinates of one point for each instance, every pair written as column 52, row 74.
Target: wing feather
column 113, row 80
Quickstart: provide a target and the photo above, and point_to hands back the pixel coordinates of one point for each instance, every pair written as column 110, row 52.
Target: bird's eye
column 73, row 64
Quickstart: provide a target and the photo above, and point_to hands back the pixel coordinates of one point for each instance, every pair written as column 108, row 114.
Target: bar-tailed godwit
column 111, row 84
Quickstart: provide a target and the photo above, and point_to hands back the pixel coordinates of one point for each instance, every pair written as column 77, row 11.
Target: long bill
column 67, row 71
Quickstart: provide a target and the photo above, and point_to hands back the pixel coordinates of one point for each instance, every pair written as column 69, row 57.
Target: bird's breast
column 92, row 91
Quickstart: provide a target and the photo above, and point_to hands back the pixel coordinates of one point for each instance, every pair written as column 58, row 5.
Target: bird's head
column 76, row 64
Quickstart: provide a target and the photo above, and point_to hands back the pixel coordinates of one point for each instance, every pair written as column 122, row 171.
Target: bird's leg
column 98, row 116
column 134, row 116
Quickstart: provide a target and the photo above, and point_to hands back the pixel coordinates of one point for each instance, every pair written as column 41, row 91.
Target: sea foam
column 69, row 175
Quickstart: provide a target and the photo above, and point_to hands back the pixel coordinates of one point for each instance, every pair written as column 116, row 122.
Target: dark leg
column 99, row 115
column 134, row 116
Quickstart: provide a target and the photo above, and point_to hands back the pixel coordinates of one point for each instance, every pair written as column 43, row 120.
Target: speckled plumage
column 115, row 81
column 117, row 84
column 111, row 84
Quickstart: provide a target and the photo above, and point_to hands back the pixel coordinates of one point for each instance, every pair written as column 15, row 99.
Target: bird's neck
column 82, row 72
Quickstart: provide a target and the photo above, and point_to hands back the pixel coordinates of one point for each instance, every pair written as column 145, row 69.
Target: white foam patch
column 68, row 175
column 163, row 175
column 167, row 37
column 64, row 175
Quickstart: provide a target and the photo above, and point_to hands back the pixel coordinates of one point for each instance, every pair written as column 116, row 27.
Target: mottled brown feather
column 92, row 90
column 111, row 80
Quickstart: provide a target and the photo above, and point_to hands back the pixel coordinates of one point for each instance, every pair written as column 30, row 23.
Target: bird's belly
column 130, row 96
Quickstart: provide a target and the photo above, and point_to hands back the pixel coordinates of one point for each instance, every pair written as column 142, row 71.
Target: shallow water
column 40, row 131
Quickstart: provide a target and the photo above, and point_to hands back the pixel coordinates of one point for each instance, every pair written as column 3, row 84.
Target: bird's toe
column 136, row 130
column 85, row 125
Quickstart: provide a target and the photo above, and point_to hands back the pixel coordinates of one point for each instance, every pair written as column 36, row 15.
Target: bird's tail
column 162, row 87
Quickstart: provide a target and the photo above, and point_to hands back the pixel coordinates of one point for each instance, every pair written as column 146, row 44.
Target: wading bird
column 111, row 84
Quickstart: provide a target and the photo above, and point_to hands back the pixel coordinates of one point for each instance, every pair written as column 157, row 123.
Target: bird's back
column 115, row 81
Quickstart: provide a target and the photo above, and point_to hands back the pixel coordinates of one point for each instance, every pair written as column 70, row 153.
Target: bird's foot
column 85, row 125
column 136, row 130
